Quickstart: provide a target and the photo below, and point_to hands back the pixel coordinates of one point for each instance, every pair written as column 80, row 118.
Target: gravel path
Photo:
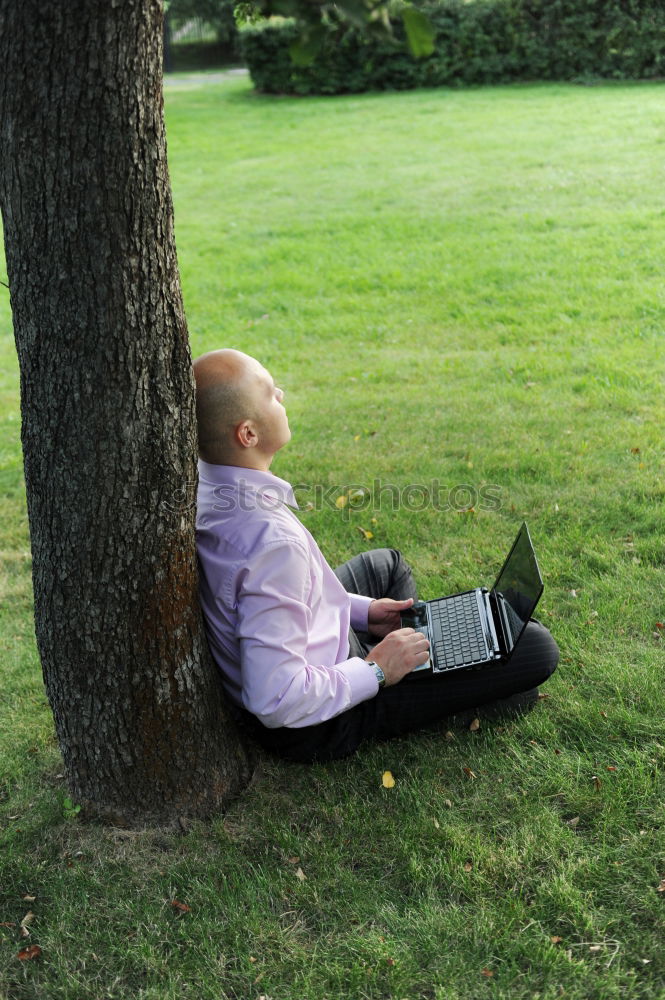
column 183, row 81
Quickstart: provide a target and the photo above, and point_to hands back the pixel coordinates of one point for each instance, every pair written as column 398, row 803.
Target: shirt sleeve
column 279, row 686
column 359, row 611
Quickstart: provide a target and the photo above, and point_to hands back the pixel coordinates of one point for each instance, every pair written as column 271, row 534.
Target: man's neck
column 256, row 462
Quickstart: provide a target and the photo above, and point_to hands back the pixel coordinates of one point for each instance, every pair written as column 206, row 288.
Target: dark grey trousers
column 417, row 700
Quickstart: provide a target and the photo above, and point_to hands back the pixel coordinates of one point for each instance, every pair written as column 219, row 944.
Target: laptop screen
column 520, row 584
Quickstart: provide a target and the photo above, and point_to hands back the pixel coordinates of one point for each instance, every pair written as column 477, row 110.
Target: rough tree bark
column 107, row 408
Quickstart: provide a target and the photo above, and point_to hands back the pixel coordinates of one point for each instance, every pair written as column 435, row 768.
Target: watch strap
column 380, row 676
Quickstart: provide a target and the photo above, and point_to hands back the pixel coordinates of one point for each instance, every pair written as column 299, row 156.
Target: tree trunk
column 107, row 407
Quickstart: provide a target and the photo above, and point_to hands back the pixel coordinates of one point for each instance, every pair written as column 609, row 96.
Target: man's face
column 270, row 416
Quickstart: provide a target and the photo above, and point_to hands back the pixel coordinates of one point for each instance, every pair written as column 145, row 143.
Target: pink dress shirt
column 277, row 617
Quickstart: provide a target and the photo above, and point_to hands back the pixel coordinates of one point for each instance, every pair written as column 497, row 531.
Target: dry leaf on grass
column 182, row 907
column 356, row 497
column 27, row 953
column 469, row 773
column 474, row 725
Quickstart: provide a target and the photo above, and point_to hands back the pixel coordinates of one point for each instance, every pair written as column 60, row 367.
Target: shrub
column 478, row 42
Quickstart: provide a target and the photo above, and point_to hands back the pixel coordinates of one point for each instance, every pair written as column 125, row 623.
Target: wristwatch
column 380, row 676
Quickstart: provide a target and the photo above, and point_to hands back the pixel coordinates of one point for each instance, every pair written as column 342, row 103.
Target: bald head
column 235, row 398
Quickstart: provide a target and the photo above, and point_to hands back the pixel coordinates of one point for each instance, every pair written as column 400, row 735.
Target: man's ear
column 245, row 434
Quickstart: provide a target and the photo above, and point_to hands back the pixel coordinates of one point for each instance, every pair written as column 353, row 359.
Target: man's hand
column 399, row 653
column 384, row 615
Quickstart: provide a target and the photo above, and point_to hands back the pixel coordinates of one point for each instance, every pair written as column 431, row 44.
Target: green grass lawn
column 460, row 291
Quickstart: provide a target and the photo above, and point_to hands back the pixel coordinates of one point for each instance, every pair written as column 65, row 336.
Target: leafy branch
column 372, row 16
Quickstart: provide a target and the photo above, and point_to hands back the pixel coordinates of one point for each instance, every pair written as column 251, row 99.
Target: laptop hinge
column 487, row 619
column 505, row 634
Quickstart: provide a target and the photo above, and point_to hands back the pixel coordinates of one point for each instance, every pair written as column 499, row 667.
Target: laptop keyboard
column 457, row 632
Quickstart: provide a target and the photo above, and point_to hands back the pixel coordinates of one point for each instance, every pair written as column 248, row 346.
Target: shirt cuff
column 362, row 679
column 359, row 611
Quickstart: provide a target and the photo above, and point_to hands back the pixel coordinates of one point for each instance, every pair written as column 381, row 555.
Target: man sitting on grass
column 314, row 660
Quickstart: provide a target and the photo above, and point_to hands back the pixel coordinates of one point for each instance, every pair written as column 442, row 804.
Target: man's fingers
column 407, row 632
column 392, row 605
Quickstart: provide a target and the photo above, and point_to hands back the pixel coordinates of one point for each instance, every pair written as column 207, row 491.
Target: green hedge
column 478, row 42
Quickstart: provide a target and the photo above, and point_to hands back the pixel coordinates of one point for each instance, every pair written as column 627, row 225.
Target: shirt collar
column 248, row 481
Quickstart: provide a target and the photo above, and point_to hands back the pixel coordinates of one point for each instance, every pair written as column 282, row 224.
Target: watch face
column 380, row 676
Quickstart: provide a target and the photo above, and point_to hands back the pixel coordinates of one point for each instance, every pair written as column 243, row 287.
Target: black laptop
column 481, row 627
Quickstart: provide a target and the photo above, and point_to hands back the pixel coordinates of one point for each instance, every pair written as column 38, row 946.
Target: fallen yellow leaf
column 366, row 534
column 341, row 502
column 356, row 497
column 387, row 780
